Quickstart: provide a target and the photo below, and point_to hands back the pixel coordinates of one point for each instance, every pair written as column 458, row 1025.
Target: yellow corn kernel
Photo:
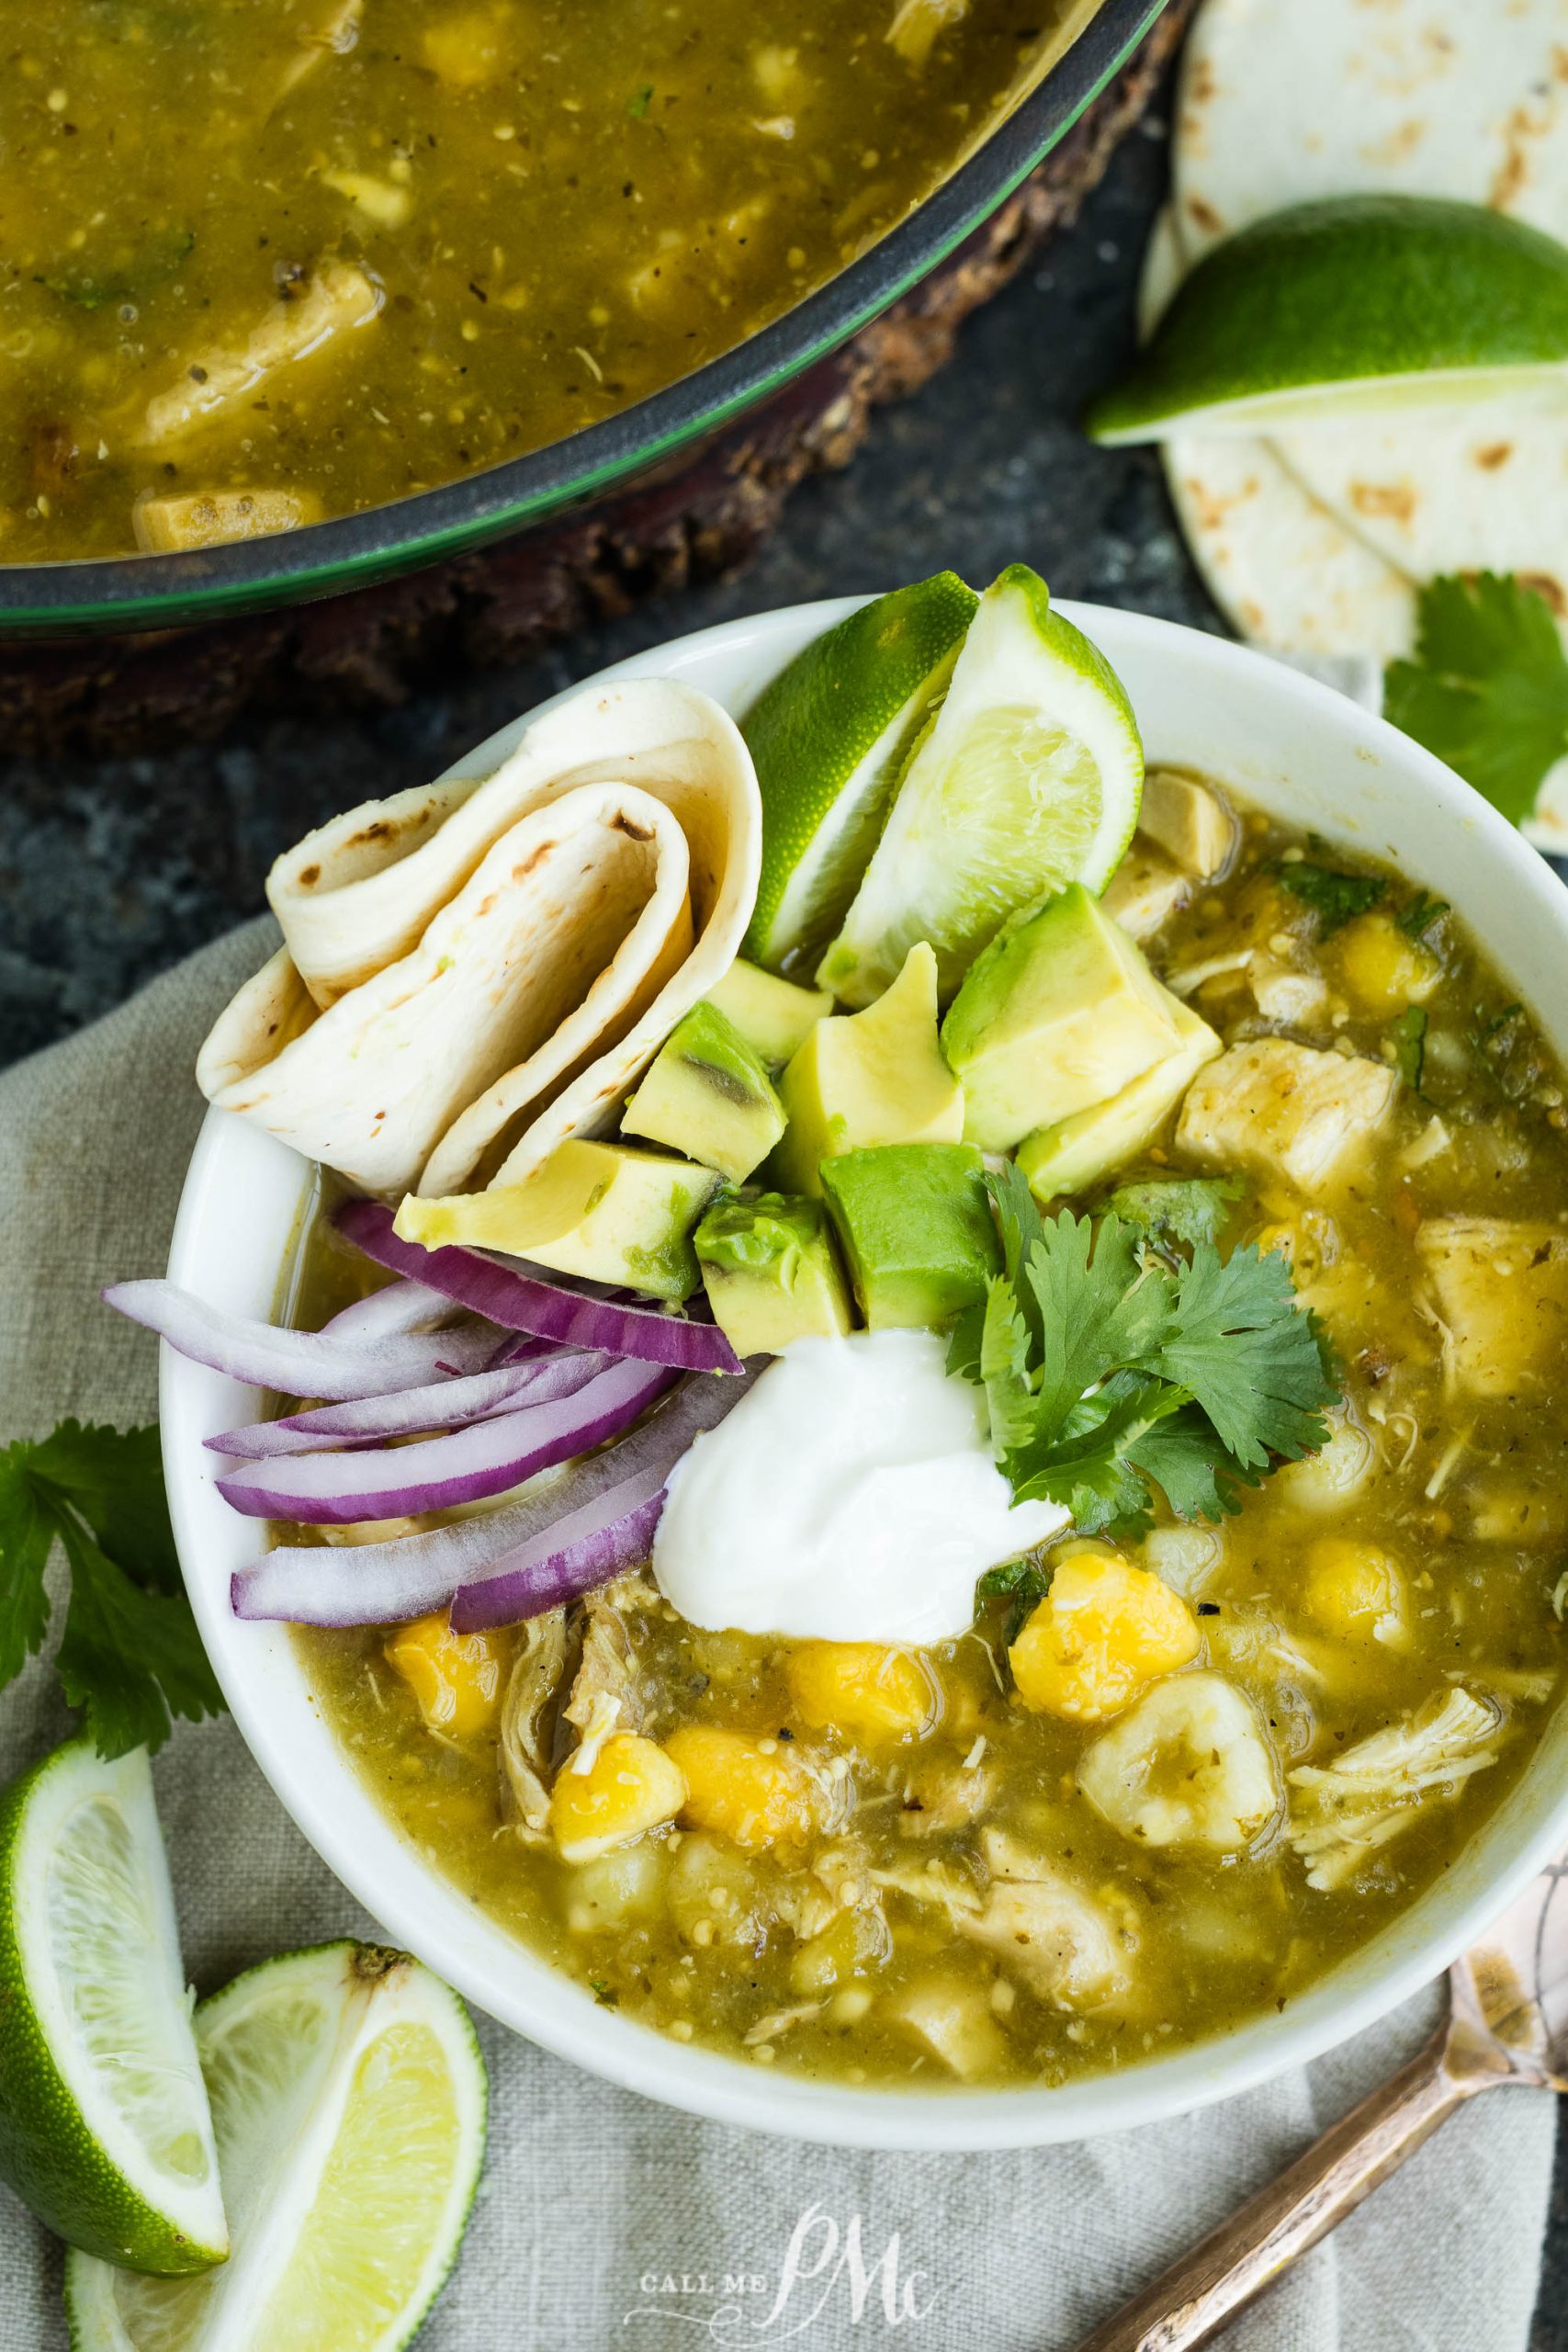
column 749, row 1789
column 862, row 1687
column 1356, row 1593
column 1383, row 969
column 1104, row 1629
column 454, row 1676
column 630, row 1786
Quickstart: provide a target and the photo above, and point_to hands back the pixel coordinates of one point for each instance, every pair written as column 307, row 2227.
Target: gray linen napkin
column 605, row 2220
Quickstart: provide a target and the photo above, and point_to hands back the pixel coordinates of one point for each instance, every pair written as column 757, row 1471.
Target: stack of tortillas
column 1317, row 541
column 473, row 971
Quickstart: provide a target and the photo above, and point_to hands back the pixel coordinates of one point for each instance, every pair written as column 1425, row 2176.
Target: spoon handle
column 1198, row 2294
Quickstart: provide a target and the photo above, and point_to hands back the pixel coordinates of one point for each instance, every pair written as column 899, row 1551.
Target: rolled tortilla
column 473, row 970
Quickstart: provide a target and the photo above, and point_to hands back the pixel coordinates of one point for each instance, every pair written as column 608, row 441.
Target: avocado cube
column 916, row 1226
column 1079, row 1151
column 708, row 1094
column 1059, row 1012
column 772, row 1273
column 598, row 1210
column 775, row 1016
column 870, row 1077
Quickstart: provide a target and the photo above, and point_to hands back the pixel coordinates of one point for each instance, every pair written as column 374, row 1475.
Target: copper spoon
column 1507, row 2022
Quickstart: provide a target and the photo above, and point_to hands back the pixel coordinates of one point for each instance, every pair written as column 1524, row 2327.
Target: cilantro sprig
column 1334, row 897
column 1488, row 688
column 1109, row 1370
column 129, row 1655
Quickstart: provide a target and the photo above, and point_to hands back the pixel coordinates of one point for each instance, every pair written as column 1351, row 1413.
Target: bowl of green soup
column 750, row 1806
column 296, row 300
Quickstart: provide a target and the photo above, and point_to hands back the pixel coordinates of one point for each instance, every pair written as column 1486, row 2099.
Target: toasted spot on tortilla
column 1496, row 454
column 1207, row 219
column 1394, row 499
column 633, row 832
column 1398, row 145
column 1548, row 588
column 311, row 875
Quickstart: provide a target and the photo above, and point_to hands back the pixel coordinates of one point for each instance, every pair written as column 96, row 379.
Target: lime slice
column 348, row 2097
column 1028, row 778
column 830, row 736
column 104, row 2123
column 1352, row 307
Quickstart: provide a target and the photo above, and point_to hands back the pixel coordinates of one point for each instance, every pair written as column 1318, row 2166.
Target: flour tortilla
column 474, row 970
column 1316, row 542
column 1285, row 100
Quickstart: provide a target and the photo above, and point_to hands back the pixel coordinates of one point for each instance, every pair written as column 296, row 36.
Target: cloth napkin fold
column 605, row 2220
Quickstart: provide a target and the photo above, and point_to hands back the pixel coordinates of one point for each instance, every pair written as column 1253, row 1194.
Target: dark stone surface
column 110, row 870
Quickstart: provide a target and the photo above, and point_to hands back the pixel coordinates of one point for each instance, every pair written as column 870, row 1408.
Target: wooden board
column 705, row 519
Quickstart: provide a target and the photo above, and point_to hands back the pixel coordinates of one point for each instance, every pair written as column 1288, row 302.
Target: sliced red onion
column 528, row 1299
column 486, row 1458
column 509, row 1563
column 398, row 1306
column 586, row 1548
column 410, row 1412
column 296, row 1363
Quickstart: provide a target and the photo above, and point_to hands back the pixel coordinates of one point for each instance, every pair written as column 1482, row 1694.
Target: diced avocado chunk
column 598, row 1210
column 772, row 1273
column 1059, row 1012
column 870, row 1077
column 708, row 1094
column 775, row 1016
column 916, row 1226
column 1079, row 1151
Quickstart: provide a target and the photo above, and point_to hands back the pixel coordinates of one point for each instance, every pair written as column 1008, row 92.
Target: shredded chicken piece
column 779, row 2021
column 527, row 1719
column 1046, row 1930
column 1371, row 1793
column 607, row 1669
column 337, row 300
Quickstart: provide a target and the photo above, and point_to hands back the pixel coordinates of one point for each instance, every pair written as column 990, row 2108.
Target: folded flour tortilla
column 1317, row 541
column 474, row 970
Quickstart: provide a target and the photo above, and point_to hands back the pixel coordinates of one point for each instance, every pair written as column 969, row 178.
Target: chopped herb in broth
column 263, row 261
column 958, row 1864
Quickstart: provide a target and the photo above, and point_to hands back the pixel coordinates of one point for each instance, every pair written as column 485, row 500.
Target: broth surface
column 850, row 1950
column 263, row 261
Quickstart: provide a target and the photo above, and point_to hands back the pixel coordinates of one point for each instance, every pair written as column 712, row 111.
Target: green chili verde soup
column 263, row 261
column 957, row 1865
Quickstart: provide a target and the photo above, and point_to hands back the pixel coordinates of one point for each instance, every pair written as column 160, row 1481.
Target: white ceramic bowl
column 1294, row 747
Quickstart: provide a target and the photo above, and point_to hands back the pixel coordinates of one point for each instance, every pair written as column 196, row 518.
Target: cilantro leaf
column 1088, row 1470
column 1409, row 1035
column 129, row 1655
column 1096, row 1315
column 1024, row 1582
column 965, row 1342
column 26, row 1536
column 1188, row 1462
column 1004, row 1367
column 1249, row 1356
column 1178, row 1208
column 1422, row 915
column 1334, row 898
column 1488, row 688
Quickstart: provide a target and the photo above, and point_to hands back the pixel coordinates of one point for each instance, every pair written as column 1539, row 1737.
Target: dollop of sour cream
column 851, row 1495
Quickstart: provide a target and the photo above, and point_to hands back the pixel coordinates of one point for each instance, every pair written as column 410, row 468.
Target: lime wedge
column 830, row 736
column 104, row 2123
column 1351, row 307
column 348, row 2097
column 1027, row 778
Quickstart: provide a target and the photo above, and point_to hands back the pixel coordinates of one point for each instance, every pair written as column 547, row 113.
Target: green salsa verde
column 263, row 261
